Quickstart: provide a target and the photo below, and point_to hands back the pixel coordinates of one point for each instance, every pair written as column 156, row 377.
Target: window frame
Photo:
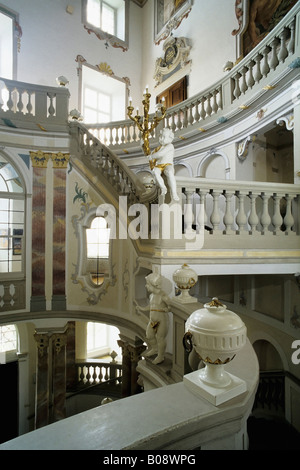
column 15, row 196
column 111, row 39
column 16, row 36
column 82, row 273
column 103, row 69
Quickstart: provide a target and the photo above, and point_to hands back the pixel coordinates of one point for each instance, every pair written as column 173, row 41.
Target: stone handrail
column 120, row 177
column 274, row 57
column 168, row 418
column 25, row 105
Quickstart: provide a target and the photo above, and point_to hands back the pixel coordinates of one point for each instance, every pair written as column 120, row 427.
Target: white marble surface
column 169, row 417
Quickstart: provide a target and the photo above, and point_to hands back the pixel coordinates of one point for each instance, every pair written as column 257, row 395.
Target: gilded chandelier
column 143, row 122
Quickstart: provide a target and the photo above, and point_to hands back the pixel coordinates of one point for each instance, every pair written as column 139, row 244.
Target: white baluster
column 208, row 105
column 274, row 59
column 244, row 86
column 228, row 217
column 283, row 52
column 241, row 218
column 265, row 69
column 20, row 104
column 258, row 74
column 51, row 109
column 197, row 114
column 202, row 112
column 191, row 117
column 201, row 216
column 288, row 219
column 29, row 105
column 265, row 219
column 10, row 102
column 253, row 218
column 251, row 80
column 215, row 215
column 188, row 211
column 214, row 105
column 277, row 218
column 237, row 91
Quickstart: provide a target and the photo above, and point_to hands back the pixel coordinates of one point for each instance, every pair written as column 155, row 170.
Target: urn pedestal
column 217, row 335
column 185, row 278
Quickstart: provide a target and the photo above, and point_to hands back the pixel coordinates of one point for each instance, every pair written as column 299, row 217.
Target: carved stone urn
column 217, row 335
column 185, row 278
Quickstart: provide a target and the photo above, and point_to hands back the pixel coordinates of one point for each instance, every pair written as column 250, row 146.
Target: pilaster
column 131, row 354
column 42, row 381
column 59, row 342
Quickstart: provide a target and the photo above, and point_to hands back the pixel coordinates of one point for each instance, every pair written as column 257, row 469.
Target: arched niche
column 268, row 356
column 183, row 169
column 215, row 164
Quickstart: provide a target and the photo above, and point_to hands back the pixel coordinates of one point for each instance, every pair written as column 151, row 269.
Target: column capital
column 42, row 342
column 59, row 341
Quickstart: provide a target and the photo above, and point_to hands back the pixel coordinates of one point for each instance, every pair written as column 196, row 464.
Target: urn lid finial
column 215, row 302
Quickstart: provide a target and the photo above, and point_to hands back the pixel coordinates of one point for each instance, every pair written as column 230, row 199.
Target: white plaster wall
column 52, row 39
column 211, row 47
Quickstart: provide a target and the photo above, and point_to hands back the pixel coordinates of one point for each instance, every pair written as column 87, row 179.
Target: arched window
column 12, row 207
column 97, row 245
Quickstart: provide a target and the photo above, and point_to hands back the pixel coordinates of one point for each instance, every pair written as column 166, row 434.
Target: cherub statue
column 157, row 327
column 161, row 162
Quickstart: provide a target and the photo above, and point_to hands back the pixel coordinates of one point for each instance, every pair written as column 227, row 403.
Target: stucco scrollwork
column 81, row 274
column 176, row 56
column 242, row 147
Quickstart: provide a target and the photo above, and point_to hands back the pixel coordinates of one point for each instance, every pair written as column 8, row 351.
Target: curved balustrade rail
column 116, row 172
column 255, row 207
column 95, row 372
column 25, row 104
column 271, row 58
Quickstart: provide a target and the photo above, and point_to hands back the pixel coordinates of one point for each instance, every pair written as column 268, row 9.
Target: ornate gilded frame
column 103, row 68
column 164, row 26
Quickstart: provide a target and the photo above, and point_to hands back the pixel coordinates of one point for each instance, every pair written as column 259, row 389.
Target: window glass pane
column 3, row 186
column 90, row 115
column 16, row 266
column 104, row 102
column 3, row 265
column 90, row 98
column 15, row 186
column 103, row 117
column 98, row 239
column 3, row 218
column 108, row 19
column 8, row 338
column 8, row 172
column 96, row 336
column 98, row 222
column 93, row 12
